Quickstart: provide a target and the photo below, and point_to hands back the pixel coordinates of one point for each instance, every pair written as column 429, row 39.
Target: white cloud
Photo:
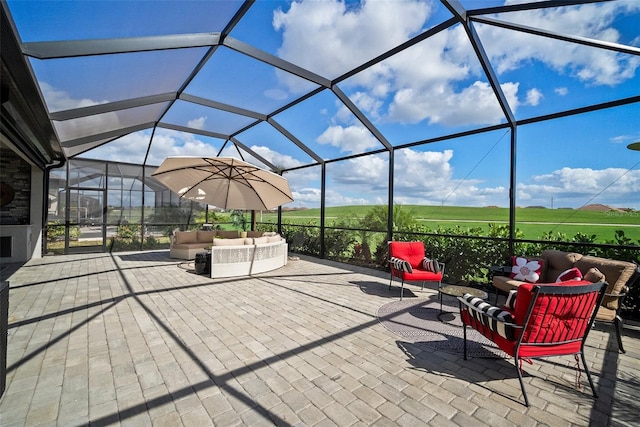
column 197, row 123
column 591, row 65
column 624, row 139
column 59, row 100
column 339, row 198
column 277, row 94
column 352, row 139
column 277, row 159
column 425, row 81
column 133, row 147
column 173, row 143
column 562, row 91
column 367, row 103
column 534, row 96
column 427, row 178
column 440, row 80
column 128, row 149
column 424, row 178
column 330, row 38
column 475, row 104
column 575, row 187
column 306, row 197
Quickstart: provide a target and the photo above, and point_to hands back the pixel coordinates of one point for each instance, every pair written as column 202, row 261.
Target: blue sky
column 434, row 88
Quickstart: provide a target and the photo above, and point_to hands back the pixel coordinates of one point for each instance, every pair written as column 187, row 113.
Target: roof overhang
column 25, row 124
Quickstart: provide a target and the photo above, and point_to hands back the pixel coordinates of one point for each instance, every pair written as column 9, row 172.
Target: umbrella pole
column 253, row 220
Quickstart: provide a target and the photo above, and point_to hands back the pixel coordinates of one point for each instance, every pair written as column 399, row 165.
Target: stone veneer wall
column 17, row 173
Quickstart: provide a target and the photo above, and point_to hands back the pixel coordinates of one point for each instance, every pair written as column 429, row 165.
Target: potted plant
column 239, row 221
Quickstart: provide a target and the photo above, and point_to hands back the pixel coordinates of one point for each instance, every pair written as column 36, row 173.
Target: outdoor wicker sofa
column 239, row 257
column 231, row 255
column 185, row 244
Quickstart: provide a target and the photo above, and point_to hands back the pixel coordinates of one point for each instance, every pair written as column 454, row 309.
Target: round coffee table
column 458, row 291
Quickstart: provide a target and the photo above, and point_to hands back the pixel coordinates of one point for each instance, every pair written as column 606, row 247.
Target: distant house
column 597, row 207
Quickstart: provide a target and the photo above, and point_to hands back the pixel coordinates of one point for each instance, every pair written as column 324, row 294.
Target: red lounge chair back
column 409, row 251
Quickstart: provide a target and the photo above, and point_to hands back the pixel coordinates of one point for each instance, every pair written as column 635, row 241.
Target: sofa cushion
column 273, row 239
column 605, row 314
column 505, row 283
column 617, row 275
column 526, row 269
column 206, row 235
column 254, row 234
column 594, row 275
column 228, row 234
column 196, row 245
column 186, row 237
column 231, row 242
column 557, row 262
column 260, row 240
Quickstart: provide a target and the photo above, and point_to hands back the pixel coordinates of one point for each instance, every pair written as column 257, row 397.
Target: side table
column 203, row 262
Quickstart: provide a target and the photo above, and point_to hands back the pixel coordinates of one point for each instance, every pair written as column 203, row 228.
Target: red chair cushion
column 422, row 276
column 409, row 251
column 554, row 318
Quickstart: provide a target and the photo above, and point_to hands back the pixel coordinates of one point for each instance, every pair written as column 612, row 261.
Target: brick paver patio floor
column 136, row 339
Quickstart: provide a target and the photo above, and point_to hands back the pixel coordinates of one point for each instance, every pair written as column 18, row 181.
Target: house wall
column 21, row 205
column 15, row 182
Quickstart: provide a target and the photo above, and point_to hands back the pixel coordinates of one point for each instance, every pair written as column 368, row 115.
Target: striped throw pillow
column 511, row 299
column 431, row 265
column 401, row 265
column 493, row 317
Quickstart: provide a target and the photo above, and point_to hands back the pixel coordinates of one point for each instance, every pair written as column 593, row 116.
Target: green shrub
column 55, row 231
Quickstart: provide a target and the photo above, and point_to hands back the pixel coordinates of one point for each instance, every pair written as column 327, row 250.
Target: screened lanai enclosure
column 479, row 126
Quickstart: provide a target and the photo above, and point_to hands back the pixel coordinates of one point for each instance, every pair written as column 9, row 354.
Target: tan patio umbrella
column 224, row 182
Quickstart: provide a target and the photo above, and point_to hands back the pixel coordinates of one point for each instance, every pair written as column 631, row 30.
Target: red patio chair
column 546, row 320
column 407, row 262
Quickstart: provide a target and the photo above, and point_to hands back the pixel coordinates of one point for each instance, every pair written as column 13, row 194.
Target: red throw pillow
column 570, row 274
column 526, row 270
column 523, row 300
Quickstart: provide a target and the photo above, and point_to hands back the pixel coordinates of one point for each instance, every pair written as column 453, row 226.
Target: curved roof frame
column 47, row 50
column 212, row 42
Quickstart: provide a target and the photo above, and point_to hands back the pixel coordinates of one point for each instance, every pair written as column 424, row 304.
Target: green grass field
column 533, row 222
